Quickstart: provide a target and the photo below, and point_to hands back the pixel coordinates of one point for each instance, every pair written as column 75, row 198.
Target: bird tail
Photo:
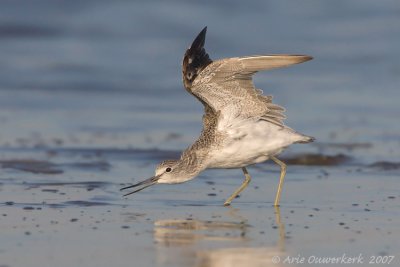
column 306, row 139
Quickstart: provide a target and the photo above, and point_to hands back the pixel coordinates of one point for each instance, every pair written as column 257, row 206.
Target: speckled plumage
column 241, row 126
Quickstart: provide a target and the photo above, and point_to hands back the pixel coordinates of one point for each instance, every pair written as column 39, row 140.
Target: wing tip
column 305, row 58
column 195, row 59
column 272, row 61
column 200, row 40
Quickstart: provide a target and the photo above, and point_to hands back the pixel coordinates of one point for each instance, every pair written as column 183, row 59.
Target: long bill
column 146, row 183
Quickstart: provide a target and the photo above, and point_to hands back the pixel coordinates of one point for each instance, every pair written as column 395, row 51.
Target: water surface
column 91, row 99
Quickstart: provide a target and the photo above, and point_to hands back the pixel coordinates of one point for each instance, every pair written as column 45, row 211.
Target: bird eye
column 168, row 169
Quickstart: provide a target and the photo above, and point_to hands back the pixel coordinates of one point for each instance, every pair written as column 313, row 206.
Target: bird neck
column 194, row 161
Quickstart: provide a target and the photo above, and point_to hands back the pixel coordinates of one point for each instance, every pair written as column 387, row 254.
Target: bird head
column 167, row 172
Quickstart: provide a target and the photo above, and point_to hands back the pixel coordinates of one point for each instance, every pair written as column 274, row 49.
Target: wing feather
column 226, row 85
column 268, row 62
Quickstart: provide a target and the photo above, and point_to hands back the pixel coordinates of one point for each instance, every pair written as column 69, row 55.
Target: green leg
column 281, row 227
column 281, row 179
column 241, row 188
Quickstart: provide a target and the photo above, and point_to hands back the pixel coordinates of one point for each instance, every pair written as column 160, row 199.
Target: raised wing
column 226, row 86
column 195, row 60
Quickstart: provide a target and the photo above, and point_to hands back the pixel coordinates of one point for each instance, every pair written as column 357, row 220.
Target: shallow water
column 91, row 100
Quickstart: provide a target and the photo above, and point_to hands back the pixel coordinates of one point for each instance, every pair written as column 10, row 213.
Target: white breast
column 250, row 143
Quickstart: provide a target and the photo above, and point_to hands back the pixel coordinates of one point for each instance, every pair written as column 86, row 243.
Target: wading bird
column 241, row 126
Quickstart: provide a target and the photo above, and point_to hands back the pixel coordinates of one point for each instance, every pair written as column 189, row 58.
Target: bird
column 241, row 126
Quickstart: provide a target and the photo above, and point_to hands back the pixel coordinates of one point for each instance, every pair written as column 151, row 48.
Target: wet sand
column 77, row 216
column 91, row 99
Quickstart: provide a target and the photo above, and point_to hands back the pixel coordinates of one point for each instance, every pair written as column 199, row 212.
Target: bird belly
column 242, row 153
column 251, row 144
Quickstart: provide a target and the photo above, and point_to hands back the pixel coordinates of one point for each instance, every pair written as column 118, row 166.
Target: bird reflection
column 184, row 232
column 181, row 242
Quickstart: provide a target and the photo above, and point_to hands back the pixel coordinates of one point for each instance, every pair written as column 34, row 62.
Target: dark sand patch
column 345, row 146
column 32, row 166
column 317, row 159
column 385, row 165
column 47, row 167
